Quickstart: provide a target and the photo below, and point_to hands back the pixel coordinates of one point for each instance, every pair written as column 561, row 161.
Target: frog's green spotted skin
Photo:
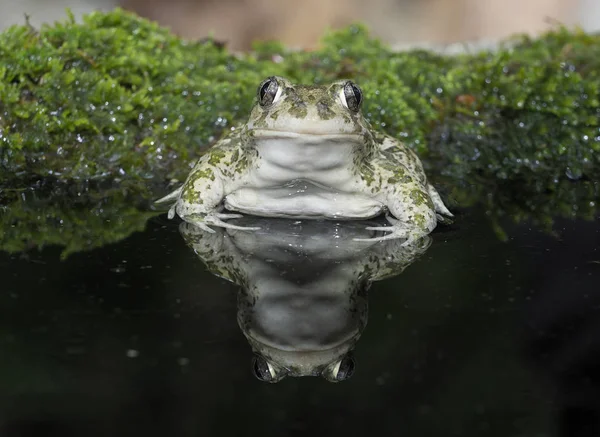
column 307, row 152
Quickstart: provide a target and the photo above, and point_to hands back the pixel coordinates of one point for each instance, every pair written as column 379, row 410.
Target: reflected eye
column 268, row 92
column 352, row 96
column 262, row 370
column 346, row 369
column 340, row 371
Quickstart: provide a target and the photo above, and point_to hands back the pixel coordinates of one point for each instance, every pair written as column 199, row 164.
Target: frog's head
column 305, row 346
column 304, row 329
column 320, row 115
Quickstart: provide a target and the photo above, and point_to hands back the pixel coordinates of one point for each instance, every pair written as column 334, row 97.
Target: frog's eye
column 340, row 370
column 264, row 371
column 351, row 96
column 269, row 92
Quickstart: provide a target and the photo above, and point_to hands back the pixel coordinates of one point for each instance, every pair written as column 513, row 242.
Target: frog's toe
column 447, row 220
column 391, row 220
column 382, row 238
column 215, row 220
column 397, row 231
column 394, row 233
column 380, row 228
column 205, row 227
column 437, row 202
column 241, row 228
column 409, row 240
column 227, row 216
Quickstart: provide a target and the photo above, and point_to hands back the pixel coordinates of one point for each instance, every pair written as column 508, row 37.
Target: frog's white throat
column 300, row 175
column 303, row 152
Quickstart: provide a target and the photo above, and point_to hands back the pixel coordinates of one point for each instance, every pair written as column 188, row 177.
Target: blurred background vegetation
column 239, row 22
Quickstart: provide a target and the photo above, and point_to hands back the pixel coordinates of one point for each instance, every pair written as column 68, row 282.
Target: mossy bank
column 117, row 98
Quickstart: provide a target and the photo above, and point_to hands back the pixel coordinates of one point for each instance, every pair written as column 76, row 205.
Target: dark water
column 476, row 337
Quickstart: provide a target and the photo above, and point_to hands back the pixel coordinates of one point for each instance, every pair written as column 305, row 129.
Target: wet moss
column 114, row 97
column 117, row 98
column 78, row 217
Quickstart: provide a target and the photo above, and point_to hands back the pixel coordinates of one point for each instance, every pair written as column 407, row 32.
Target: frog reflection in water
column 307, row 152
column 303, row 299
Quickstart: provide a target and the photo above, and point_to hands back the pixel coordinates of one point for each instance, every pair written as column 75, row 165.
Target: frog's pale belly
column 303, row 200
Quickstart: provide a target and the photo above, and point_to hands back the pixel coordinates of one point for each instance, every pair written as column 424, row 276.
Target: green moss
column 115, row 96
column 118, row 98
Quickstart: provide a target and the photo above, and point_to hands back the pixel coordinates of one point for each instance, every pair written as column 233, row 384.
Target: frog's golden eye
column 351, row 96
column 269, row 91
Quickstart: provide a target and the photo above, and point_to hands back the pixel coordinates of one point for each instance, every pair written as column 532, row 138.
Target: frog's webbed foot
column 172, row 211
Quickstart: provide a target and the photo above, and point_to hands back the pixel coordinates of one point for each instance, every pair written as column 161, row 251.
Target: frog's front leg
column 200, row 201
column 411, row 213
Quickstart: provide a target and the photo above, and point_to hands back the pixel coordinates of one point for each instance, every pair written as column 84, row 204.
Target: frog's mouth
column 306, row 136
column 302, row 362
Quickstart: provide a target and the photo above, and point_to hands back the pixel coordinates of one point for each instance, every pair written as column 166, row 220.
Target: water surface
column 476, row 337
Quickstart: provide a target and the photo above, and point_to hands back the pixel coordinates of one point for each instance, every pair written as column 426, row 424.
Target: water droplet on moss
column 573, row 174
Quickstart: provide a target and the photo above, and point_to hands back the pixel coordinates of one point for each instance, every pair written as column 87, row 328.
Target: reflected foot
column 217, row 220
column 396, row 231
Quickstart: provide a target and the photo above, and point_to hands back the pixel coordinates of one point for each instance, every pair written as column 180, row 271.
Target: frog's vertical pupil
column 267, row 91
column 353, row 96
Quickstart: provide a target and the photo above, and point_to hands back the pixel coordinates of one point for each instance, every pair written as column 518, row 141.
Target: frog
column 307, row 152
